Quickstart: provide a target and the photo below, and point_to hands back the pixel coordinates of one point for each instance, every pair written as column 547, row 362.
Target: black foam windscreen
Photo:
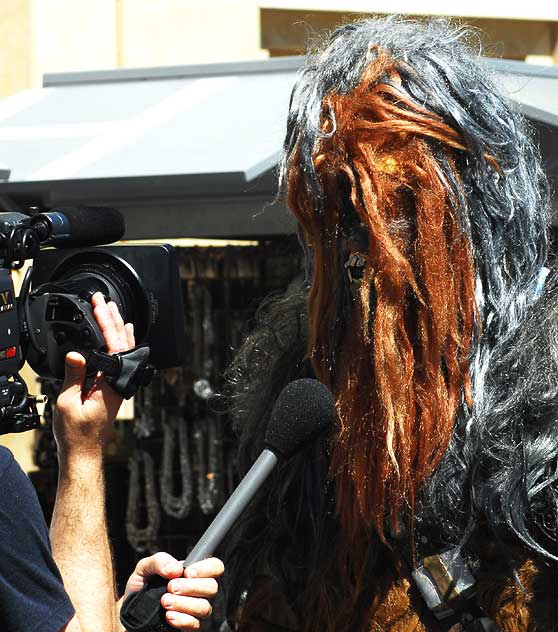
column 91, row 225
column 303, row 409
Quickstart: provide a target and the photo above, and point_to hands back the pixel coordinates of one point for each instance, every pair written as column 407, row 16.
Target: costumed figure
column 423, row 214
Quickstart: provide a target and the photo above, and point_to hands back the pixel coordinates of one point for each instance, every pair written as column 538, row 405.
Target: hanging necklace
column 142, row 539
column 175, row 432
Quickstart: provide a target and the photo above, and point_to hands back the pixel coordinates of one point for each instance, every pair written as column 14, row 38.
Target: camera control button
column 60, row 337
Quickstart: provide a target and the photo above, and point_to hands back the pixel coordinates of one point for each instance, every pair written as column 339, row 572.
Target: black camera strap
column 125, row 371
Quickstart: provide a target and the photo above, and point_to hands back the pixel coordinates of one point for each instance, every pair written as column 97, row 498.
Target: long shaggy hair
column 396, row 355
column 400, row 150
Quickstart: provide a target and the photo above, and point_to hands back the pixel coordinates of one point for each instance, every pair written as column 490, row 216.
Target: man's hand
column 82, row 421
column 78, row 531
column 189, row 589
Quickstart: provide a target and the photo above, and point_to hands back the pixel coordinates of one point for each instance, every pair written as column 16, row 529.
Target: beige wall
column 22, row 446
column 172, row 32
column 15, row 46
column 71, row 35
column 41, row 36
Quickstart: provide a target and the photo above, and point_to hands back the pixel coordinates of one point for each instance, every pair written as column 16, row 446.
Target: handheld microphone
column 304, row 409
column 79, row 226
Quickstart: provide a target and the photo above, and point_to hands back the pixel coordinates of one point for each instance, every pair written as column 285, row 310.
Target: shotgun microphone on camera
column 79, row 226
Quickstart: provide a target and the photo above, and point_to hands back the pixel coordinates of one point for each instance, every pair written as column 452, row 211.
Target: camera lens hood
column 89, row 267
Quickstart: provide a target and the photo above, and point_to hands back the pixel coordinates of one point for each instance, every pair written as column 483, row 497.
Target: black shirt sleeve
column 32, row 595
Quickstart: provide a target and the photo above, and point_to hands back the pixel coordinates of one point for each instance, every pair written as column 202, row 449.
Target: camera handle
column 142, row 611
column 125, row 371
column 18, row 410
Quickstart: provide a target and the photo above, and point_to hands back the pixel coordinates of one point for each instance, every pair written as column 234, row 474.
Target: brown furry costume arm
column 529, row 605
column 267, row 609
column 397, row 609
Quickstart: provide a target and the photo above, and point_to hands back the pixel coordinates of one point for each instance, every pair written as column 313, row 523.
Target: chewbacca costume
column 423, row 213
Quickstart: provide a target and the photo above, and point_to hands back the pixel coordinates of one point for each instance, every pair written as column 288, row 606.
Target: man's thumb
column 161, row 564
column 74, row 371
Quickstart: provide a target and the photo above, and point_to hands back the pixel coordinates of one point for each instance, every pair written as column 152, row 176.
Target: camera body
column 10, row 349
column 54, row 315
column 144, row 283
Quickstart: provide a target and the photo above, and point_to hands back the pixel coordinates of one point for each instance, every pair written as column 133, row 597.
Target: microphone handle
column 142, row 611
column 231, row 510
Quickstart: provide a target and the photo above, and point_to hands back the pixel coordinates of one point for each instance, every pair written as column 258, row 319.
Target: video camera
column 54, row 315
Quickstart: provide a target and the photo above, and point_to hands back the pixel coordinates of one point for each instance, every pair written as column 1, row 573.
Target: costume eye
column 355, row 266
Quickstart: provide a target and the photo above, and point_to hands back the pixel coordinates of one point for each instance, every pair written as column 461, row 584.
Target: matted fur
column 399, row 366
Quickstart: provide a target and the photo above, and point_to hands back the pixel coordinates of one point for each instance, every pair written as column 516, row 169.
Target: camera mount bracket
column 125, row 371
column 18, row 410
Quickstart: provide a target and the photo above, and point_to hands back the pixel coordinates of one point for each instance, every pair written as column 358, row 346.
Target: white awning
column 211, row 120
column 534, row 88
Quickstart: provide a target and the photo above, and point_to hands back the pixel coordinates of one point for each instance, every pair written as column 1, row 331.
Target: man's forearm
column 80, row 542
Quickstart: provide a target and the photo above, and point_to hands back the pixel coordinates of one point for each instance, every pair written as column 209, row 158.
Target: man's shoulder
column 6, row 459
